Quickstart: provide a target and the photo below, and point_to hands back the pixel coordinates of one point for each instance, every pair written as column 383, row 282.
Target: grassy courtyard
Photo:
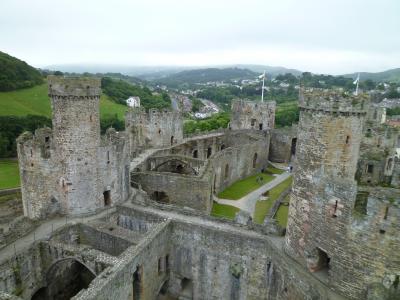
column 9, row 174
column 242, row 187
column 282, row 213
column 262, row 207
column 226, row 211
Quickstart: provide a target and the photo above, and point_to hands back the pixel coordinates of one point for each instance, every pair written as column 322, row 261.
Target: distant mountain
column 271, row 71
column 206, row 75
column 392, row 75
column 16, row 74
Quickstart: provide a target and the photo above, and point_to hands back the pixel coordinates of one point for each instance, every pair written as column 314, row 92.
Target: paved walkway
column 248, row 202
column 44, row 230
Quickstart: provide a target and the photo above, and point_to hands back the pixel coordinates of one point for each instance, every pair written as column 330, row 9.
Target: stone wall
column 179, row 189
column 252, row 115
column 153, row 128
column 283, row 144
column 140, row 273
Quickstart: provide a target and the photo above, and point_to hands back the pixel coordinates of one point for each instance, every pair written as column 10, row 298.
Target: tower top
column 333, row 101
column 74, row 86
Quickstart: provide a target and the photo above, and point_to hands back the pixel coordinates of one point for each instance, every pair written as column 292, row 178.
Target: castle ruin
column 140, row 200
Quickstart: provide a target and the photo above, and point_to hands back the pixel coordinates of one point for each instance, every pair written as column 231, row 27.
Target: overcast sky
column 324, row 36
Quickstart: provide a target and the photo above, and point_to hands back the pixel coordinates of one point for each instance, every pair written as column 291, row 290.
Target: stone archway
column 65, row 278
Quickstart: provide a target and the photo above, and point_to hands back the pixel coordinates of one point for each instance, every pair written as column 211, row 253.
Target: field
column 226, row 211
column 9, row 174
column 34, row 101
column 262, row 207
column 242, row 187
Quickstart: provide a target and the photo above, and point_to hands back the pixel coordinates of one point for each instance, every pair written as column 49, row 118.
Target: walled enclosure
column 71, row 169
column 189, row 174
column 341, row 243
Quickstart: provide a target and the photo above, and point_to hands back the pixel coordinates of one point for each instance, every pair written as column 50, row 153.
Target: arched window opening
column 254, row 160
column 226, row 171
column 209, row 152
column 195, row 154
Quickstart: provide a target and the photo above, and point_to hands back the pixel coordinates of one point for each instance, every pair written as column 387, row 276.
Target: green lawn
column 282, row 214
column 34, row 101
column 273, row 170
column 9, row 174
column 262, row 207
column 221, row 210
column 242, row 187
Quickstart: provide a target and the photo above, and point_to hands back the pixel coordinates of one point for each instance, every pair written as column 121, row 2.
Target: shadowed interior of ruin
column 64, row 280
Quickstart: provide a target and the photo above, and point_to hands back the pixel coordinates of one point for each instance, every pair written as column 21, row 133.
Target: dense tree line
column 286, row 114
column 119, row 91
column 393, row 111
column 12, row 126
column 17, row 74
column 220, row 120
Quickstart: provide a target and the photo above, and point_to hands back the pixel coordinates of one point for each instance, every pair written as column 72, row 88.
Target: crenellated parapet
column 331, row 101
column 74, row 87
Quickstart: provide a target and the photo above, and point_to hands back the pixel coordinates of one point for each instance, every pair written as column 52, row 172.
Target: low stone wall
column 10, row 191
column 18, row 228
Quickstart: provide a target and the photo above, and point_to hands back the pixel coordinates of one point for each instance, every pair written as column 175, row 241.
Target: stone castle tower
column 252, row 115
column 76, row 135
column 336, row 228
column 71, row 169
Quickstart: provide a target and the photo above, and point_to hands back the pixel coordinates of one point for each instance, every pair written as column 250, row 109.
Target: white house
column 133, row 101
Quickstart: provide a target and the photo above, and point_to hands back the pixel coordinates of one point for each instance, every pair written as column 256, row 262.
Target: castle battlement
column 333, row 101
column 244, row 103
column 152, row 114
column 60, row 86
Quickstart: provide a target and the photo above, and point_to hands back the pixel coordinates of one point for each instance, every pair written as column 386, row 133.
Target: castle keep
column 144, row 197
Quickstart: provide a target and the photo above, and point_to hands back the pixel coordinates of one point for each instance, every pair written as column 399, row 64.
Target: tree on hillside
column 17, row 74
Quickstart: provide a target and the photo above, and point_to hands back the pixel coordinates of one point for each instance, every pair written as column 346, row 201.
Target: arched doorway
column 65, row 279
column 254, row 160
column 293, row 147
column 172, row 140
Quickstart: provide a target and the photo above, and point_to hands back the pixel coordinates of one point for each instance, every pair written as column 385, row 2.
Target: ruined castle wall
column 371, row 257
column 22, row 275
column 229, row 264
column 183, row 190
column 114, row 167
column 137, row 275
column 38, row 173
column 232, row 164
column 252, row 115
column 283, row 143
column 153, row 129
column 396, row 174
column 377, row 152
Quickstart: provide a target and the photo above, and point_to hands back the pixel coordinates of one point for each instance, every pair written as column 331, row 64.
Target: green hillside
column 16, row 74
column 392, row 75
column 196, row 76
column 34, row 101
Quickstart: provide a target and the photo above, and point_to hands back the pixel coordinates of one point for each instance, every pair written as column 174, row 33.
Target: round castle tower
column 345, row 233
column 76, row 134
column 324, row 189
